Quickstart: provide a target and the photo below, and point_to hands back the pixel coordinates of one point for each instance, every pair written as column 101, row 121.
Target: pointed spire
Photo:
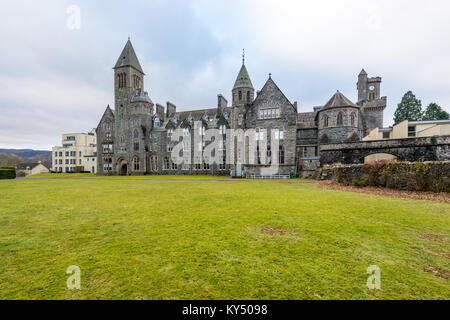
column 243, row 79
column 363, row 73
column 128, row 58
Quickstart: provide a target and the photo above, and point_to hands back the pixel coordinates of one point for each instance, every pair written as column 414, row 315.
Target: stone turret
column 243, row 91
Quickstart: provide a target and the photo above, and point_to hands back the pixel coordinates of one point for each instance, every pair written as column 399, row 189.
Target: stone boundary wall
column 412, row 149
column 412, row 176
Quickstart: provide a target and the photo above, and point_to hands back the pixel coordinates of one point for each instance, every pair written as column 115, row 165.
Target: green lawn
column 217, row 240
column 153, row 177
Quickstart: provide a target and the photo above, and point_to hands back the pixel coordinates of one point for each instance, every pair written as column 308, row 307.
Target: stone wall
column 412, row 176
column 415, row 149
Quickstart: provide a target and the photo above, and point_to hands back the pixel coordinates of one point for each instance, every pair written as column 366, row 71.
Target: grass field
column 175, row 239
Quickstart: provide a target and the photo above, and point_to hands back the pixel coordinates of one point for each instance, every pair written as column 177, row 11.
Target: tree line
column 410, row 108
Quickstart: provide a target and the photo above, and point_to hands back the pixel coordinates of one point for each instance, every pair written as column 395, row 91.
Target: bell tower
column 128, row 76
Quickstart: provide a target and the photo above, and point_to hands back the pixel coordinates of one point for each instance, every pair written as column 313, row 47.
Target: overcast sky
column 55, row 79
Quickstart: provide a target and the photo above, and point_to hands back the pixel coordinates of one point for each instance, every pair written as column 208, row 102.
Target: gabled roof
column 128, row 58
column 270, row 85
column 243, row 79
column 24, row 166
column 338, row 100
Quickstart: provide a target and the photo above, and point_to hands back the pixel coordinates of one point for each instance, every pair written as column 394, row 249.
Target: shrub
column 7, row 173
column 416, row 176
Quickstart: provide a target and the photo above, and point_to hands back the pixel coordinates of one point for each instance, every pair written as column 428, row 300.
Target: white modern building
column 78, row 153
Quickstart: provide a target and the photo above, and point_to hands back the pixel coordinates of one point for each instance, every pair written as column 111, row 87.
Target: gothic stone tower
column 243, row 94
column 133, row 114
column 370, row 100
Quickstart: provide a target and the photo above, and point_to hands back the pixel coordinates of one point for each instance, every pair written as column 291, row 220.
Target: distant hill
column 29, row 155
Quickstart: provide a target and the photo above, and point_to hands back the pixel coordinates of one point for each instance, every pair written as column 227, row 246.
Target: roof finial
column 243, row 56
column 128, row 37
column 270, row 75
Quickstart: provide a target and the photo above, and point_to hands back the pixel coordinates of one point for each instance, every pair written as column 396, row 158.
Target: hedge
column 412, row 176
column 7, row 173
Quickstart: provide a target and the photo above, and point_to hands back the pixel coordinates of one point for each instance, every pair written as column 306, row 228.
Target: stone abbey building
column 135, row 138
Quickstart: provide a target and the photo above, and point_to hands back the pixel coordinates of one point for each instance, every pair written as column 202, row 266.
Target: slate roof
column 338, row 100
column 23, row 166
column 128, row 58
column 243, row 79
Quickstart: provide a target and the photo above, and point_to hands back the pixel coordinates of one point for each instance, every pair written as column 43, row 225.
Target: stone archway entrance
column 122, row 166
column 123, row 170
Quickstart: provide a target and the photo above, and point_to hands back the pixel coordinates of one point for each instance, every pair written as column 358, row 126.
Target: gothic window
column 174, row 166
column 240, row 95
column 122, row 110
column 122, row 77
column 352, row 119
column 136, row 134
column 107, row 148
column 169, row 133
column 136, row 146
column 122, row 140
column 340, row 119
column 248, row 96
column 166, row 163
column 136, row 82
column 281, row 155
column 223, row 129
column 136, row 164
column 325, row 121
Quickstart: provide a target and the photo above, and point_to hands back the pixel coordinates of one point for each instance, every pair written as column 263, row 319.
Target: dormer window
column 156, row 122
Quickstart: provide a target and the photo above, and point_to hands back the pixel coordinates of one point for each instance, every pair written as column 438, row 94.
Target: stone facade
column 139, row 137
column 416, row 149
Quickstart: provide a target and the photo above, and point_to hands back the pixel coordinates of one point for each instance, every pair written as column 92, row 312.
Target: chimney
column 160, row 111
column 171, row 110
column 221, row 102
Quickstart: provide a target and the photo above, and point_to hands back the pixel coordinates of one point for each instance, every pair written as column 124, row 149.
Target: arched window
column 281, row 155
column 248, row 96
column 136, row 164
column 372, row 95
column 340, row 119
column 325, row 121
column 136, row 134
column 122, row 140
column 240, row 95
column 352, row 119
column 122, row 110
column 122, row 78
